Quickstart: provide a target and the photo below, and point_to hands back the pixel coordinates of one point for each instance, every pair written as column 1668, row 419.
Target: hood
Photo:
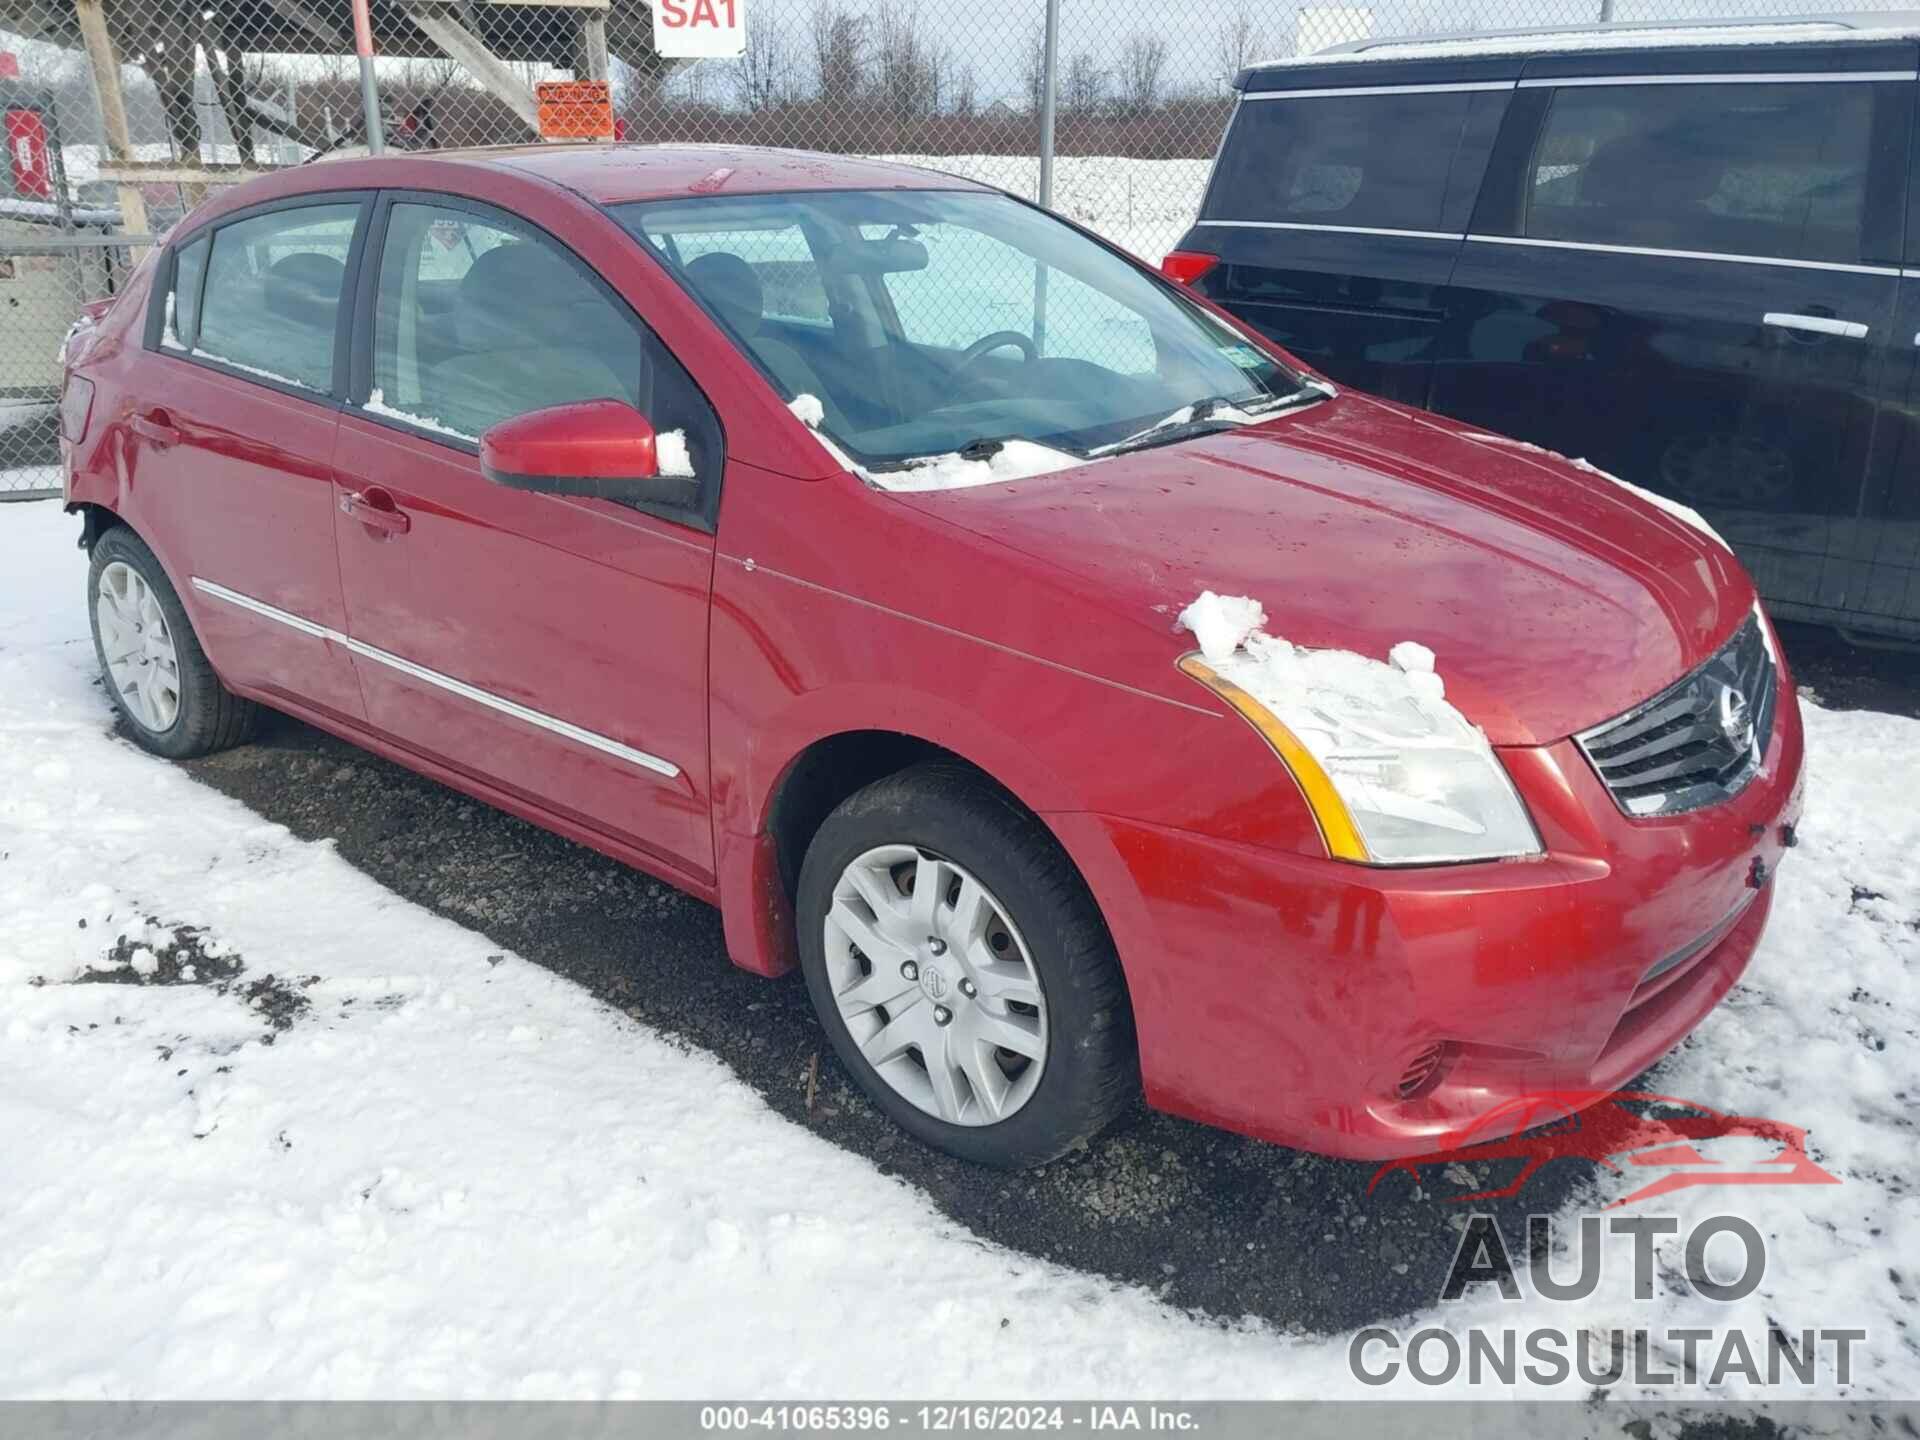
column 1553, row 597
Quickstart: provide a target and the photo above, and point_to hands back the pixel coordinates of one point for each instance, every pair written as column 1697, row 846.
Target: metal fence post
column 1049, row 89
column 369, row 92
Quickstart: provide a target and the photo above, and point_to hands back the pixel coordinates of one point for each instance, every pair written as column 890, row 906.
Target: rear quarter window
column 1763, row 169
column 1376, row 161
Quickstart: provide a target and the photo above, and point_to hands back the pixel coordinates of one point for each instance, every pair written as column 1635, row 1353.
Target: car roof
column 609, row 174
column 1798, row 43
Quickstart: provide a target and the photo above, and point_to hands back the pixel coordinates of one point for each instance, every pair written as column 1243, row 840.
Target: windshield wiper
column 1204, row 417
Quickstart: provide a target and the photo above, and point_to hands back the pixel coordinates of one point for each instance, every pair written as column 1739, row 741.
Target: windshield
column 940, row 323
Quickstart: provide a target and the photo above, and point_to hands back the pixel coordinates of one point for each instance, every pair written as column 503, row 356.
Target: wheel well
column 95, row 521
column 826, row 773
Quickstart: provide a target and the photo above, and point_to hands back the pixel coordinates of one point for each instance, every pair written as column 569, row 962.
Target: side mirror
column 604, row 449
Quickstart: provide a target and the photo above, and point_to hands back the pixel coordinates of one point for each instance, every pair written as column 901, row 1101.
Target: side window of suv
column 1764, row 169
column 270, row 303
column 1375, row 161
column 478, row 318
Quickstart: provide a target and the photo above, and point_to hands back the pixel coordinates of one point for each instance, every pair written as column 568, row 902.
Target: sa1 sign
column 693, row 28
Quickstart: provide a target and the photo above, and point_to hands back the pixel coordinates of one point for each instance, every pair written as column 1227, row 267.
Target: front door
column 1690, row 285
column 234, row 438
column 549, row 646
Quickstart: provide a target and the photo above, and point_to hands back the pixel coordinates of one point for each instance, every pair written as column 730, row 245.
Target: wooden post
column 113, row 109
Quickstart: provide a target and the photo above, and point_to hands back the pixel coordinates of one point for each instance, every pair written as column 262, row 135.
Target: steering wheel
column 987, row 344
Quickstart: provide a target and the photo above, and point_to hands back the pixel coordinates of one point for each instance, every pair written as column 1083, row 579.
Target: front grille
column 1696, row 743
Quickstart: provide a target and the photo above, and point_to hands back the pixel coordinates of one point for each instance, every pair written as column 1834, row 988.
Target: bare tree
column 763, row 78
column 839, row 50
column 1143, row 66
column 1083, row 86
column 897, row 62
column 1033, row 72
column 965, row 92
column 1234, row 48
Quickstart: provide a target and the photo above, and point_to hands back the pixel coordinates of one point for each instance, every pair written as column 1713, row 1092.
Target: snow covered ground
column 269, row 1130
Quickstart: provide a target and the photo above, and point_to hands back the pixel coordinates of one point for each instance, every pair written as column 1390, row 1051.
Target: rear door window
column 1764, row 169
column 271, row 305
column 1374, row 161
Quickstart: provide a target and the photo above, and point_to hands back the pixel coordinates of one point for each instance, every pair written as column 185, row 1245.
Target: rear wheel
column 961, row 970
column 150, row 659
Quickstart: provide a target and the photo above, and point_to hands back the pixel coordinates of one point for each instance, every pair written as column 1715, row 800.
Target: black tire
column 1091, row 1076
column 210, row 716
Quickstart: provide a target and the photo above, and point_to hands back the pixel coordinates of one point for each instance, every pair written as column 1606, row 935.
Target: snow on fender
column 1417, row 781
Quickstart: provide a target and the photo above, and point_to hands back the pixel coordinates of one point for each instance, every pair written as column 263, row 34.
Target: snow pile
column 1014, row 460
column 808, row 410
column 670, row 451
column 1685, row 514
column 1418, row 779
column 245, row 368
column 1221, row 622
column 323, row 1143
column 1231, row 630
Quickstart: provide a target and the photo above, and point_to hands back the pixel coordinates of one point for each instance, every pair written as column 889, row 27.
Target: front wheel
column 962, row 971
column 152, row 663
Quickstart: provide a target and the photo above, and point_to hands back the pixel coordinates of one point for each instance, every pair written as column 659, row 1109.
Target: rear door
column 1688, row 280
column 1337, row 215
column 234, row 439
column 550, row 646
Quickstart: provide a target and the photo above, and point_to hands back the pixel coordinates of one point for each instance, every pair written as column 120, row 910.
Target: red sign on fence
column 575, row 110
column 27, row 154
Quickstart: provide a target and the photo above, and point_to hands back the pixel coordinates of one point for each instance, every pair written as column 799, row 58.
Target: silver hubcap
column 935, row 985
column 141, row 660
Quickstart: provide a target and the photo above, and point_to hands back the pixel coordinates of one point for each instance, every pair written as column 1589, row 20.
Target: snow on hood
column 1418, row 778
column 1232, row 633
column 1685, row 514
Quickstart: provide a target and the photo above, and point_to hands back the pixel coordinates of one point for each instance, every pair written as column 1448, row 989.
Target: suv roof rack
column 1845, row 25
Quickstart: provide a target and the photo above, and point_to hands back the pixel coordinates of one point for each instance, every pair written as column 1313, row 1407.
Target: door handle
column 374, row 508
column 1816, row 324
column 157, row 427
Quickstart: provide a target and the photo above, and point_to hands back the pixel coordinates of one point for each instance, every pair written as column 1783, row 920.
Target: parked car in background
column 1674, row 252
column 812, row 533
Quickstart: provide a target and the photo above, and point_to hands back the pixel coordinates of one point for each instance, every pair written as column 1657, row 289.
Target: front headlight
column 1393, row 773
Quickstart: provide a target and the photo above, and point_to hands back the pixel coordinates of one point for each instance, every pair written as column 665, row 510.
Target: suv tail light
column 1187, row 266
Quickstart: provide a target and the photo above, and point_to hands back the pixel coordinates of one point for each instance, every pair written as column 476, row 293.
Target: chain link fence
column 120, row 114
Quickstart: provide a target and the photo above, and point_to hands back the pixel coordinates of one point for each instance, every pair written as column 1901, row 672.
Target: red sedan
column 824, row 537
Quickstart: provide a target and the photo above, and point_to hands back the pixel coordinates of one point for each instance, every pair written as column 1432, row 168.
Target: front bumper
column 1377, row 1013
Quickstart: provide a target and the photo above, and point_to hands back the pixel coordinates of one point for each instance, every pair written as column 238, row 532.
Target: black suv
column 1675, row 252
